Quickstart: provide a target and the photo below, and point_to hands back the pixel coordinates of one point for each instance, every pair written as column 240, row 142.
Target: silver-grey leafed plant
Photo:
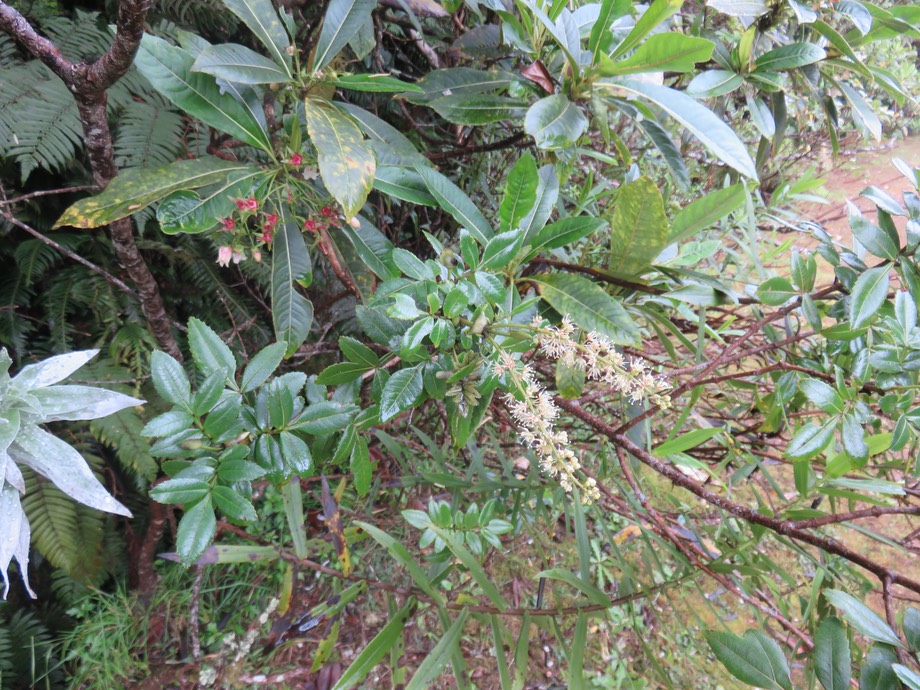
column 27, row 401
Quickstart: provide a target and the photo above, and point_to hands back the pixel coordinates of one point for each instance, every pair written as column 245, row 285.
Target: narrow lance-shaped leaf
column 238, row 64
column 262, row 19
column 832, row 655
column 453, row 200
column 342, row 21
column 861, row 617
column 754, row 658
column 292, row 313
column 346, row 162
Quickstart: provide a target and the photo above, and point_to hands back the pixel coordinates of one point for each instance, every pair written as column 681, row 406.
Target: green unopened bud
column 192, row 444
column 479, row 325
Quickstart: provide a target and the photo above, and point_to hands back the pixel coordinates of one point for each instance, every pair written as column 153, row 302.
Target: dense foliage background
column 485, row 344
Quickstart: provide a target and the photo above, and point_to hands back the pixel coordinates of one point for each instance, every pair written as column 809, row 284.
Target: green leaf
column 169, row 71
column 170, row 380
column 374, row 83
column 565, row 231
column 324, row 418
column 592, row 593
column 210, row 353
column 342, row 21
column 669, row 51
column 180, row 490
column 356, row 351
column 705, row 212
column 232, row 471
column 911, row 626
column 832, row 655
column 360, row 466
column 196, row 530
column 186, row 211
column 873, row 238
column 344, row 372
column 555, row 122
column 686, row 441
column 262, row 19
column 231, row 504
column 402, row 556
column 400, row 392
column 588, row 305
column 600, row 31
column 403, row 183
column 452, row 199
column 262, row 366
column 346, row 162
column 776, row 291
column 520, row 193
column 868, row 295
column 478, row 109
column 239, row 64
column 715, row 134
column 790, row 57
column 657, row 12
column 430, row 667
column 292, row 313
column 501, row 250
column 376, row 649
column 372, row 247
column 754, row 659
column 459, row 81
column 545, row 203
column 908, row 676
column 472, row 564
column 714, row 82
column 811, row 439
column 862, row 111
column 861, row 617
column 877, row 672
column 135, row 189
column 638, row 227
column 822, row 395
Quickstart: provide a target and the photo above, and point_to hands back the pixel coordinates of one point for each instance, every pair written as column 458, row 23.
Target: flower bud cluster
column 601, row 362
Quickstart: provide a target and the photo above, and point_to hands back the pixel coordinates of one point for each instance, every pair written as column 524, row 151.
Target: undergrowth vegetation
column 479, row 344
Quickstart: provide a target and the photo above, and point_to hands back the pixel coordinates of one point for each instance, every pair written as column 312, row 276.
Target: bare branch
column 18, row 27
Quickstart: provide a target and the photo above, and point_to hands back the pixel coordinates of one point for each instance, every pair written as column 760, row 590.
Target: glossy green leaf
column 832, row 655
column 588, row 306
column 135, row 189
column 861, row 617
column 477, row 109
column 811, row 439
column 790, row 56
column 657, row 12
column 873, row 238
column 400, row 392
column 403, row 557
column 715, row 134
column 346, row 162
column 877, row 672
column 706, row 211
column 403, row 183
column 754, row 658
column 262, row 19
column 360, row 466
column 638, row 227
column 374, row 83
column 861, row 110
column 473, row 566
column 565, row 231
column 908, row 676
column 600, row 31
column 231, row 504
column 342, row 21
column 520, row 193
column 169, row 379
column 776, row 291
column 545, row 202
column 555, row 122
column 324, row 418
column 458, row 81
column 452, row 199
column 169, row 71
column 714, row 82
column 669, row 51
column 210, row 353
column 372, row 247
column 911, row 625
column 686, row 441
column 239, row 64
column 196, row 530
column 822, row 395
column 262, row 366
column 868, row 295
column 292, row 313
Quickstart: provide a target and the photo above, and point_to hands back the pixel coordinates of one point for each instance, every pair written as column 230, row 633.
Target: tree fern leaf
column 65, row 532
column 148, row 136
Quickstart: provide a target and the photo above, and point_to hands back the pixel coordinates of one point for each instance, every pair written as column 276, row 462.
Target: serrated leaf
column 196, row 530
column 811, row 439
column 861, row 617
column 754, row 658
column 638, row 227
column 323, row 418
column 346, row 162
column 588, row 305
column 210, row 353
column 400, row 392
column 262, row 366
column 832, row 655
column 169, row 379
column 877, row 672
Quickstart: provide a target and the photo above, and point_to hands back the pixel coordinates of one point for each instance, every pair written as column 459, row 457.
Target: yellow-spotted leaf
column 346, row 161
column 137, row 188
column 638, row 227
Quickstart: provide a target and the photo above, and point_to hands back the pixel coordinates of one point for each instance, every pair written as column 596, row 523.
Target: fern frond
column 33, row 650
column 34, row 259
column 148, row 136
column 9, row 53
column 85, row 37
column 207, row 16
column 66, row 533
column 47, row 132
column 122, row 432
